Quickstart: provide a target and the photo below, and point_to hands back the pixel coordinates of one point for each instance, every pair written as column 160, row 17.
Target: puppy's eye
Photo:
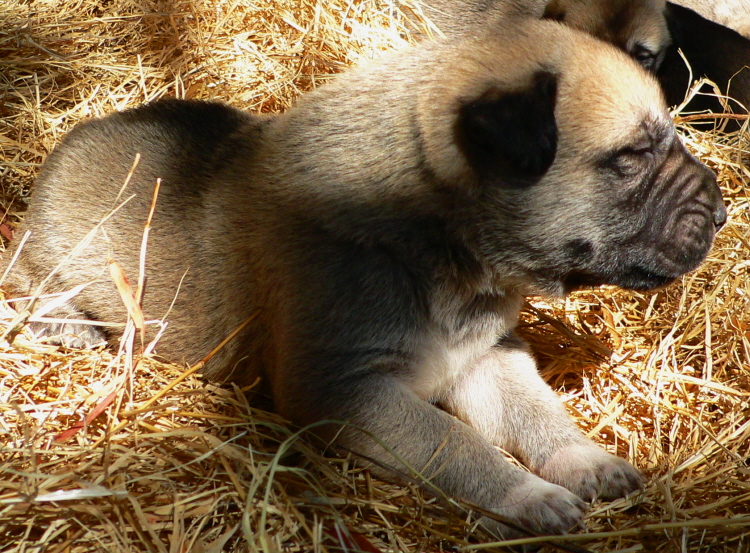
column 637, row 151
column 644, row 56
column 629, row 161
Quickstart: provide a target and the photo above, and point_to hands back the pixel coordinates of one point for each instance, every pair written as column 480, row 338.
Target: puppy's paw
column 70, row 335
column 590, row 473
column 539, row 506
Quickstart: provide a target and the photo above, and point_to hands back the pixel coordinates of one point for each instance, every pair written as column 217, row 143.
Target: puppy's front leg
column 417, row 435
column 504, row 399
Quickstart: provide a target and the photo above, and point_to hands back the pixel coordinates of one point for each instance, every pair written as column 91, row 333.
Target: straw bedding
column 101, row 451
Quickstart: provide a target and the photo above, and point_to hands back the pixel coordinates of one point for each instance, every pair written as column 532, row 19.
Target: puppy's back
column 186, row 144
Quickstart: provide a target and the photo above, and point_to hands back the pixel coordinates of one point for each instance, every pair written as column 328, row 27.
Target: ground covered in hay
column 101, row 451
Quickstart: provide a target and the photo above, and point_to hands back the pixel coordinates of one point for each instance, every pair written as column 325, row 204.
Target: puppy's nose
column 720, row 217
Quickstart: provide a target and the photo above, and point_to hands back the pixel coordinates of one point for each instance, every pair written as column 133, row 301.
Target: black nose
column 720, row 217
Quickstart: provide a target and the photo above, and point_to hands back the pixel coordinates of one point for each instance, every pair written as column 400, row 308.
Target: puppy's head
column 637, row 27
column 577, row 175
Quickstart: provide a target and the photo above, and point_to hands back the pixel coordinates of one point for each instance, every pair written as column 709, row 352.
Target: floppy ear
column 511, row 138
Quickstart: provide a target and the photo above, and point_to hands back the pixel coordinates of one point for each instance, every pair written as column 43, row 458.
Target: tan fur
column 656, row 33
column 635, row 26
column 384, row 231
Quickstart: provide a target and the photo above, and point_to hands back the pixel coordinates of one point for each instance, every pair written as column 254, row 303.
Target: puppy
column 636, row 26
column 383, row 233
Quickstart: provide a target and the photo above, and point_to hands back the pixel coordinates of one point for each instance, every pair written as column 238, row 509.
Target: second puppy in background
column 637, row 27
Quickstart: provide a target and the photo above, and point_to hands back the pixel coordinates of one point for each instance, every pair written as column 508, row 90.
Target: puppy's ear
column 555, row 10
column 511, row 138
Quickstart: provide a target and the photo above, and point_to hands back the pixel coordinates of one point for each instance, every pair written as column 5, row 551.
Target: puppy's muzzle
column 698, row 214
column 673, row 231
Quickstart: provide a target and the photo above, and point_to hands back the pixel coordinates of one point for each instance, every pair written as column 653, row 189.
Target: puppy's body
column 384, row 231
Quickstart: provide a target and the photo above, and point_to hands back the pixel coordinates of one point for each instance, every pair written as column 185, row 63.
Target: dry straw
column 172, row 464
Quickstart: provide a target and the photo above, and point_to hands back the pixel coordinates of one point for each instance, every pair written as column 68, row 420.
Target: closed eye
column 636, row 151
column 628, row 161
column 644, row 56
